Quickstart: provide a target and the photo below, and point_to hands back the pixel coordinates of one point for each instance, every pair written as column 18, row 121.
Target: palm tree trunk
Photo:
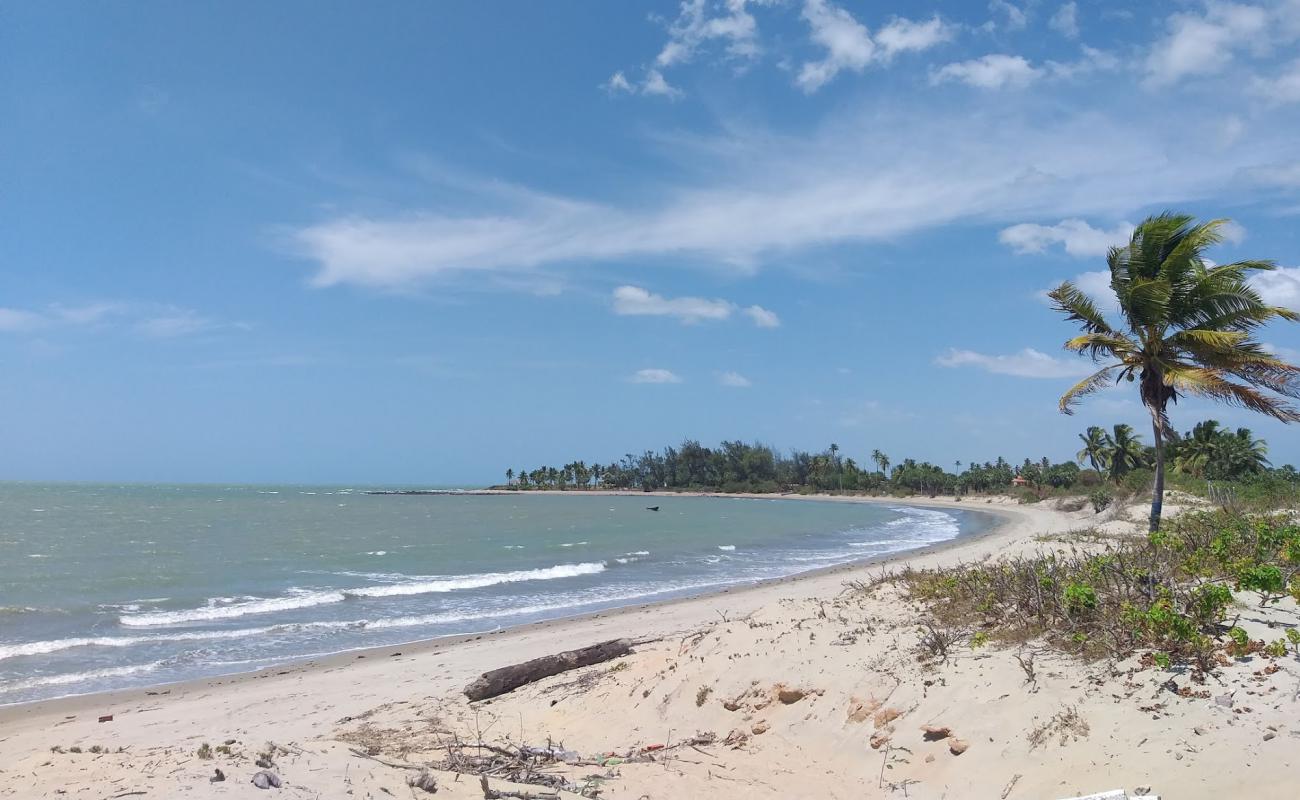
column 1158, row 490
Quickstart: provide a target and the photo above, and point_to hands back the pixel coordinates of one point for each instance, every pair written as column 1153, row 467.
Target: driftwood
column 507, row 679
column 496, row 794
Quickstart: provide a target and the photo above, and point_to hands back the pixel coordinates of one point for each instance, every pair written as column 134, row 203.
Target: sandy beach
column 802, row 687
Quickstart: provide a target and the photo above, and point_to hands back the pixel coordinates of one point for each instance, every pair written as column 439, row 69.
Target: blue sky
column 422, row 242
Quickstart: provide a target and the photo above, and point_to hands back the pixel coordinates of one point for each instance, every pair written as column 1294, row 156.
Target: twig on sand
column 394, row 764
column 494, row 794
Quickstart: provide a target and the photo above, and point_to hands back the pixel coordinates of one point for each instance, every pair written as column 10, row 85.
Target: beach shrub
column 1169, row 592
column 1101, row 498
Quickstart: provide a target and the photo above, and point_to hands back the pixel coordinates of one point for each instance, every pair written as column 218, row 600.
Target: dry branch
column 507, row 679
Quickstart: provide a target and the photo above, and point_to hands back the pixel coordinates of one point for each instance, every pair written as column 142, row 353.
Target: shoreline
column 818, row 684
column 995, row 507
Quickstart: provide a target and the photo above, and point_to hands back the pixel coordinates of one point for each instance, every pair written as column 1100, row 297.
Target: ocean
column 107, row 587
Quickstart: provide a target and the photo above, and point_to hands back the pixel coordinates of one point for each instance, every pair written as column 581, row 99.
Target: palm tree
column 1125, row 452
column 1187, row 327
column 878, row 457
column 510, row 476
column 835, row 449
column 1096, row 444
column 1196, row 450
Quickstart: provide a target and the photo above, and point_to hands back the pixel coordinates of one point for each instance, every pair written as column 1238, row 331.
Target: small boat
column 652, row 508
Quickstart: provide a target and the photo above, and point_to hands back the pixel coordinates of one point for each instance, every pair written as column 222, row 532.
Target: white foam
column 55, row 645
column 307, row 599
column 727, row 547
column 478, row 581
column 78, row 677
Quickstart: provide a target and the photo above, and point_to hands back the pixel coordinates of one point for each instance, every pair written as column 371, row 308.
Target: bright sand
column 850, row 660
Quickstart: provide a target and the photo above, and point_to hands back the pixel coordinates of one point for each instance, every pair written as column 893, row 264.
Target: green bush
column 1101, row 498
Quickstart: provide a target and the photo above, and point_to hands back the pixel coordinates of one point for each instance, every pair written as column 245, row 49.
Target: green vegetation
column 1230, row 468
column 1169, row 593
column 1187, row 328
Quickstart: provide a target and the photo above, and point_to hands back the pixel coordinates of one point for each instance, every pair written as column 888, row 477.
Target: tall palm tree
column 510, row 476
column 879, row 458
column 1125, row 453
column 1186, row 328
column 835, row 449
column 1096, row 444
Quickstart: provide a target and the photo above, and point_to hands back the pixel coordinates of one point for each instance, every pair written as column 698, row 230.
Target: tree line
column 1207, row 451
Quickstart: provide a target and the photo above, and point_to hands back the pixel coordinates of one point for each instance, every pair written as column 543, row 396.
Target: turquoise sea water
column 105, row 587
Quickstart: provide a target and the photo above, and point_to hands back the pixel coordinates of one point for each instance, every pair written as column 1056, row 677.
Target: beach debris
column 425, row 781
column 1114, row 794
column 106, row 718
column 934, row 733
column 507, row 679
column 760, row 727
column 957, row 746
column 218, row 776
column 879, row 740
column 266, row 780
column 885, row 716
column 495, row 794
column 652, row 508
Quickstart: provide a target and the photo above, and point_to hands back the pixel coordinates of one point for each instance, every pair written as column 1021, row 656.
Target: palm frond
column 1086, row 387
column 1078, row 307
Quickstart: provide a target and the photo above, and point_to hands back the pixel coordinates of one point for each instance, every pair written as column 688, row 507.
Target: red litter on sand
column 106, row 718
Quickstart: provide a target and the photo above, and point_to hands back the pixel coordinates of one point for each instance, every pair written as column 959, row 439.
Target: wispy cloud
column 1281, row 287
column 848, row 45
column 1066, row 20
column 175, row 323
column 1078, row 237
column 1028, row 363
column 995, row 71
column 1207, row 41
column 762, row 317
column 635, row 301
column 149, row 319
column 743, row 198
column 654, row 375
column 734, row 380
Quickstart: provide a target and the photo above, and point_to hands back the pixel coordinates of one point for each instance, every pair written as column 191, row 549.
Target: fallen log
column 507, row 679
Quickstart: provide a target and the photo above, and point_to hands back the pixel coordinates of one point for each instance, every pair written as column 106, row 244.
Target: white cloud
column 175, row 323
column 1028, row 363
column 904, row 35
column 1283, row 175
column 1090, row 61
column 653, row 375
column 1281, row 88
column 762, row 317
column 1066, row 20
column 697, row 25
column 15, row 319
column 635, row 301
column 1204, row 43
column 656, row 84
column 847, row 43
column 1079, row 238
column 58, row 316
column 734, row 380
column 1287, row 354
column 1016, row 18
column 739, row 199
column 995, row 71
column 1281, row 287
column 618, row 82
column 1097, row 286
